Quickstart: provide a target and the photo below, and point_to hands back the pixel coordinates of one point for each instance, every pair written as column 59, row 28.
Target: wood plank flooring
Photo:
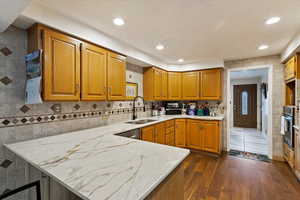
column 227, row 177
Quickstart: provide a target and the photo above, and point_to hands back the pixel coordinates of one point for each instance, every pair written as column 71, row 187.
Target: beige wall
column 277, row 100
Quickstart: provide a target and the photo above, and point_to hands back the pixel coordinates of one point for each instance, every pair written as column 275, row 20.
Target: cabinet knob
column 77, row 88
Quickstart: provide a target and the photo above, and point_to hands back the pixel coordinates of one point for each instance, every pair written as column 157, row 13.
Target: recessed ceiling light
column 272, row 20
column 263, row 47
column 180, row 60
column 119, row 21
column 160, row 47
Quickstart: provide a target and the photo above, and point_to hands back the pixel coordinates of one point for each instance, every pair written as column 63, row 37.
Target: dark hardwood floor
column 227, row 177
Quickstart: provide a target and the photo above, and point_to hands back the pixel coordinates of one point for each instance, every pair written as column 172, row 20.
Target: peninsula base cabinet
column 195, row 134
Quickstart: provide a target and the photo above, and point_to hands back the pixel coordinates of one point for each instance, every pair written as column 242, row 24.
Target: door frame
column 270, row 93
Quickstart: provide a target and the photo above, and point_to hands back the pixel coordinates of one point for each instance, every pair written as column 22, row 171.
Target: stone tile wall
column 19, row 122
column 277, row 100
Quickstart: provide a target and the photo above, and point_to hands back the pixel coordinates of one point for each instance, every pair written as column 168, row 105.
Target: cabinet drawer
column 170, row 123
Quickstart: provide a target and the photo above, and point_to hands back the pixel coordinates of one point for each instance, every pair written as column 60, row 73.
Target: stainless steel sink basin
column 142, row 121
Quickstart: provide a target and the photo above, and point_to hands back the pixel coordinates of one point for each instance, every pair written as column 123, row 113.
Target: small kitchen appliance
column 173, row 108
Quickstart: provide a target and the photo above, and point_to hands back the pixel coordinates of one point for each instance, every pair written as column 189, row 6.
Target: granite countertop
column 95, row 164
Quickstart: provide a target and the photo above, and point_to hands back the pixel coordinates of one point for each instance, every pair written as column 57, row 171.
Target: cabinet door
column 210, row 84
column 61, row 67
column 160, row 133
column 174, row 85
column 211, row 136
column 180, row 132
column 190, row 85
column 157, row 84
column 148, row 133
column 297, row 153
column 116, row 76
column 93, row 72
column 164, row 86
column 194, row 134
column 290, row 69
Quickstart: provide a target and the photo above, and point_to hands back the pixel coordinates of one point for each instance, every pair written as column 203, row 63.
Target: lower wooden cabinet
column 297, row 154
column 180, row 132
column 160, row 133
column 194, row 134
column 211, row 136
column 204, row 135
column 148, row 133
column 191, row 133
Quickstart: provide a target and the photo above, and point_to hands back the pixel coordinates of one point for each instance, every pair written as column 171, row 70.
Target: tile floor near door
column 248, row 140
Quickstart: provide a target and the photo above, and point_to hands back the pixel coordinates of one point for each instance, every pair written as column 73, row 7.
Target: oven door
column 289, row 131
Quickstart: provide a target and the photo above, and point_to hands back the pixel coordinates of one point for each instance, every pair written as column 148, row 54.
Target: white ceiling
column 196, row 30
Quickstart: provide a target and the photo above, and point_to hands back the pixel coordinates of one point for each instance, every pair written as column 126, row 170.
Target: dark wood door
column 245, row 106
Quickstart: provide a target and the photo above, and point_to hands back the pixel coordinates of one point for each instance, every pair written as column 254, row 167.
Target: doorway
column 248, row 114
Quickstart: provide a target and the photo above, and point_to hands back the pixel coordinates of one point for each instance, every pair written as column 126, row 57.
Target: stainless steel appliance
column 134, row 134
column 173, row 108
column 289, row 121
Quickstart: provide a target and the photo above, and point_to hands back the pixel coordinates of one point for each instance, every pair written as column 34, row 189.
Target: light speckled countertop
column 95, row 164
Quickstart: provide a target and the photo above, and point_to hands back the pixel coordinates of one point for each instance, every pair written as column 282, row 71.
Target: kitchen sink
column 142, row 121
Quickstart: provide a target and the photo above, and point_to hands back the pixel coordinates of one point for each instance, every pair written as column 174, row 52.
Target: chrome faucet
column 134, row 115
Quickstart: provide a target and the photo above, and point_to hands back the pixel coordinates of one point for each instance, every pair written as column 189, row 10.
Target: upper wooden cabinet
column 116, row 76
column 174, row 86
column 61, row 67
column 75, row 70
column 190, row 85
column 93, row 72
column 180, row 132
column 292, row 68
column 210, row 84
column 193, row 85
column 164, row 85
column 155, row 84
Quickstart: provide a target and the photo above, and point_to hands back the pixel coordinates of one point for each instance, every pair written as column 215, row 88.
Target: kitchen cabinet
column 289, row 155
column 164, row 85
column 194, row 134
column 93, row 72
column 174, row 86
column 180, row 132
column 160, row 133
column 190, row 85
column 193, row 85
column 210, row 84
column 75, row 70
column 290, row 68
column 148, row 134
column 116, row 76
column 211, row 136
column 61, row 67
column 297, row 153
column 155, row 84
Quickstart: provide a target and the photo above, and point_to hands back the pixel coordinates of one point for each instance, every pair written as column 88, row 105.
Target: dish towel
column 282, row 125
